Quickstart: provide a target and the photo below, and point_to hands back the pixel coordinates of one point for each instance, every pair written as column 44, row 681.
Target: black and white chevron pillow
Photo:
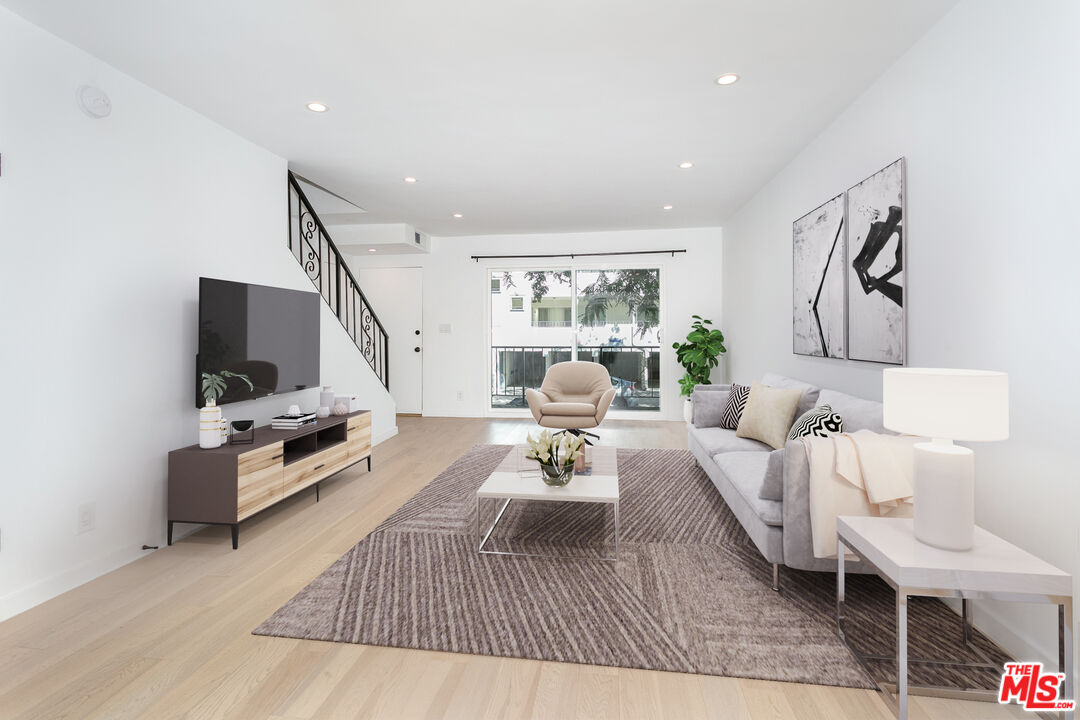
column 736, row 403
column 817, row 422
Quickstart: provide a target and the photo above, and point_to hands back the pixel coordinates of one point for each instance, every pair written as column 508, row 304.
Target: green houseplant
column 698, row 355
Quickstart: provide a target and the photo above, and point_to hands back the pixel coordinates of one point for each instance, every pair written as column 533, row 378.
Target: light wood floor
column 170, row 636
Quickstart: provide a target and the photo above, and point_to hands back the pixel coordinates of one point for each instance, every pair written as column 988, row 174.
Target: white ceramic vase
column 210, row 426
column 688, row 411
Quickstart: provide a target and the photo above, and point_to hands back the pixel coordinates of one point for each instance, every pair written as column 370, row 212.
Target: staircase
column 312, row 247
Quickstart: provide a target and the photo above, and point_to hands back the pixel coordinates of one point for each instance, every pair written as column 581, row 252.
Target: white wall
column 985, row 109
column 457, row 292
column 107, row 226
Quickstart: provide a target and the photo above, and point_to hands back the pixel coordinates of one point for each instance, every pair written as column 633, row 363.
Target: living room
column 508, row 188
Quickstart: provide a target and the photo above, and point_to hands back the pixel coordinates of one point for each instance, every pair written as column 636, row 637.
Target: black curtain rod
column 478, row 258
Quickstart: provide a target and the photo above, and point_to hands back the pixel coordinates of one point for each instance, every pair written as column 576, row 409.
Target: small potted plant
column 213, row 385
column 698, row 356
column 556, row 455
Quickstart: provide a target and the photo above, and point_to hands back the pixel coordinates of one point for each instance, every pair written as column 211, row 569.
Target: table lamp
column 946, row 405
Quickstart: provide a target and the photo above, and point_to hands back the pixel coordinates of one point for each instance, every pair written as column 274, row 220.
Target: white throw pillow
column 768, row 414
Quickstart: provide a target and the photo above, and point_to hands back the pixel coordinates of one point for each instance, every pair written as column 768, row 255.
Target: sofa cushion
column 858, row 414
column 569, row 408
column 715, row 440
column 708, row 407
column 768, row 415
column 810, row 393
column 746, row 472
column 772, row 486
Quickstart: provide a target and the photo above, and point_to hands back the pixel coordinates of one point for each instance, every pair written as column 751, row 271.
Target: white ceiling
column 525, row 116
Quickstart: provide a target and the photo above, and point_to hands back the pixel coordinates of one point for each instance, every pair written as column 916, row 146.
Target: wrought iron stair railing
column 312, row 247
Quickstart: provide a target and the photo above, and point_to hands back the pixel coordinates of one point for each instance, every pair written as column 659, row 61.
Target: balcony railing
column 634, row 370
column 551, row 323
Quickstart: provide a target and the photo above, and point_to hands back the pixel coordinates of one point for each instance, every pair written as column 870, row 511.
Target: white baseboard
column 21, row 600
column 384, row 436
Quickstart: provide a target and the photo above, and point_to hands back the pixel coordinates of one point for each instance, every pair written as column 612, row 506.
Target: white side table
column 992, row 570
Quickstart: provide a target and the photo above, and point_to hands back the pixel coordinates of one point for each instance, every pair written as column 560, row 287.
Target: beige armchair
column 575, row 395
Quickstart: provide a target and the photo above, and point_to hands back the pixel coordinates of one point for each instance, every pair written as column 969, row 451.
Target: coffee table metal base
column 484, row 535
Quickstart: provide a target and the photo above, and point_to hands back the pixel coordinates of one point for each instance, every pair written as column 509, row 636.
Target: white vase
column 326, row 397
column 210, row 426
column 688, row 411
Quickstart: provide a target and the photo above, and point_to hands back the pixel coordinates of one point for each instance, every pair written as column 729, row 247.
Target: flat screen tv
column 269, row 334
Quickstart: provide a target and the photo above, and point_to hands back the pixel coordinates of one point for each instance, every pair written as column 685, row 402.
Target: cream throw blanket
column 861, row 473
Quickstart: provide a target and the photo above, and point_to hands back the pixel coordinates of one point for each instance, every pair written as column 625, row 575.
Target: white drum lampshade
column 946, row 405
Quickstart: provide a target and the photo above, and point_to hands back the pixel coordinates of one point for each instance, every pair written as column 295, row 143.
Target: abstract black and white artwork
column 817, row 315
column 875, row 258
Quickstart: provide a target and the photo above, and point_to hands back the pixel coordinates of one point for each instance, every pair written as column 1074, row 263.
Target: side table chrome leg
column 1065, row 651
column 840, row 587
column 616, row 507
column 901, row 653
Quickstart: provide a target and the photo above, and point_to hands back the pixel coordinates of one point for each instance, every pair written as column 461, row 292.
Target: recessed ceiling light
column 727, row 79
column 686, row 165
column 317, row 107
column 458, row 215
column 409, row 179
column 371, row 249
column 668, row 207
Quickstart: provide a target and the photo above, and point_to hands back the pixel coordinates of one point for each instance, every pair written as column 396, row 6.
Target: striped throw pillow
column 736, row 403
column 817, row 422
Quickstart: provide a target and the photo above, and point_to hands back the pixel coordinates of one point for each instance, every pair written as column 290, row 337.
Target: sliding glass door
column 541, row 317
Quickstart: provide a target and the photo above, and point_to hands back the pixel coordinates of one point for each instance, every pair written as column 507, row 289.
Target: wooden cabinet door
column 260, row 477
column 359, row 436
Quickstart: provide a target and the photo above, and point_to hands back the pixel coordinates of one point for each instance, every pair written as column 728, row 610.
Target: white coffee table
column 519, row 479
column 993, row 569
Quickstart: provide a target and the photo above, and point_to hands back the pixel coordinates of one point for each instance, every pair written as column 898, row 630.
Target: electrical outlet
column 86, row 518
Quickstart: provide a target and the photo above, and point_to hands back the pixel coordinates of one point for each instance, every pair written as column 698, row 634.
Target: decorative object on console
column 946, row 405
column 698, row 356
column 556, row 454
column 323, row 411
column 768, row 414
column 341, row 409
column 817, row 289
column 875, row 256
column 817, row 422
column 212, row 432
column 210, row 425
column 326, row 397
column 352, row 402
column 292, row 421
column 736, row 404
column 294, row 410
column 243, row 432
column 224, row 431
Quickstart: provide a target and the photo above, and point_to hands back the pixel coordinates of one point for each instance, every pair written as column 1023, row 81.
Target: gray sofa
column 739, row 467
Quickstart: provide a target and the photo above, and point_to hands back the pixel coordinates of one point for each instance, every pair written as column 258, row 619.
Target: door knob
column 417, row 332
column 416, row 349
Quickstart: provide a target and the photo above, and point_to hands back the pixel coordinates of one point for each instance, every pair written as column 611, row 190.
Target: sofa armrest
column 707, row 393
column 537, row 400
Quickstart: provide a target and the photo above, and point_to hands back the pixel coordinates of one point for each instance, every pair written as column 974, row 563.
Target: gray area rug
column 690, row 593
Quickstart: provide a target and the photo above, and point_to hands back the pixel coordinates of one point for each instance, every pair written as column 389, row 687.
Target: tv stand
column 229, row 484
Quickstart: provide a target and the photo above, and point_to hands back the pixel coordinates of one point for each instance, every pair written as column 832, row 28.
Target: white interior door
column 397, row 296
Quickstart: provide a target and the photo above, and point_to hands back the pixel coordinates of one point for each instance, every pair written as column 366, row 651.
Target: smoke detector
column 93, row 102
